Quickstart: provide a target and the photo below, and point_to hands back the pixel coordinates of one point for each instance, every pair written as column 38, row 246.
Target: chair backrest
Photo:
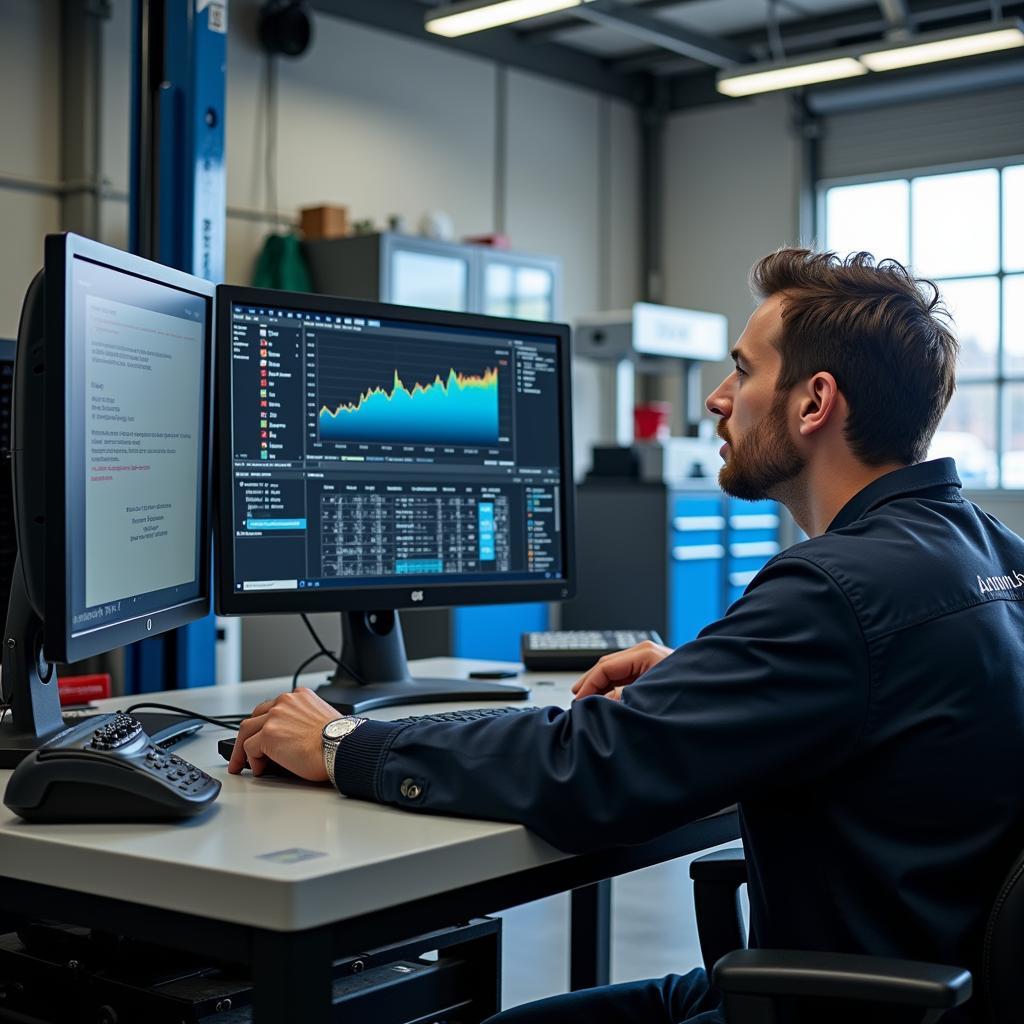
column 1003, row 952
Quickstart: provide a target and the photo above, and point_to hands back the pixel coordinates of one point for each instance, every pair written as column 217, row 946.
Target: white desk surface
column 366, row 856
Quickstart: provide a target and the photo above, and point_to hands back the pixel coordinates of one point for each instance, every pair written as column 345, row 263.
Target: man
column 863, row 702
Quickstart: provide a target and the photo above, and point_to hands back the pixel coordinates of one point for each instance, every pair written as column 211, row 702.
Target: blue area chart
column 460, row 409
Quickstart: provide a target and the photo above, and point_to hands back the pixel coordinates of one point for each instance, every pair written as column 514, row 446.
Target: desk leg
column 590, row 936
column 293, row 976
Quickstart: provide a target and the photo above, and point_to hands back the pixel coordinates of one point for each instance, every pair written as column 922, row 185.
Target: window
column 965, row 231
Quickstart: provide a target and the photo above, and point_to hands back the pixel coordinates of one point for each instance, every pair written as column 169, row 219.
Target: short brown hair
column 882, row 333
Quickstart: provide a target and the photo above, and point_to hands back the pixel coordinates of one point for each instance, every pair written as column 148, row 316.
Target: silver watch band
column 330, row 753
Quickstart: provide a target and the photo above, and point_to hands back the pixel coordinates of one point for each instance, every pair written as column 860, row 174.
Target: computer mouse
column 224, row 748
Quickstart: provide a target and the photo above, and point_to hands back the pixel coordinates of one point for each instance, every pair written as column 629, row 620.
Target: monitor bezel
column 388, row 596
column 59, row 643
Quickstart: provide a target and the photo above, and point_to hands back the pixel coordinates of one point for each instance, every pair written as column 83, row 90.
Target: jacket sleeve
column 773, row 695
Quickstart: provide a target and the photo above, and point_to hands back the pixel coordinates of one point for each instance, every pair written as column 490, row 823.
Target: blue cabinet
column 717, row 545
column 753, row 540
column 696, row 552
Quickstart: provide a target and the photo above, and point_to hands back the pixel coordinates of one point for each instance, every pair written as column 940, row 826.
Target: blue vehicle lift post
column 177, row 215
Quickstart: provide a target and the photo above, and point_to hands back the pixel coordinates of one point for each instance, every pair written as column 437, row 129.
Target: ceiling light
column 927, row 49
column 460, row 19
column 770, row 77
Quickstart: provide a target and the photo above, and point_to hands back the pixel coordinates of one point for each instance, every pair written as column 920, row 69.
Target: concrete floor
column 653, row 934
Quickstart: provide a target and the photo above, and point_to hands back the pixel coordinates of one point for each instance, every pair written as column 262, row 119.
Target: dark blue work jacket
column 863, row 703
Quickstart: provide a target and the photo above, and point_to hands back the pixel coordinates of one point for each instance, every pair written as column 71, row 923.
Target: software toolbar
column 366, row 449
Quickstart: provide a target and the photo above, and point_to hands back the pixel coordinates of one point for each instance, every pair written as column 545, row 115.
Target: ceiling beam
column 503, row 45
column 825, row 32
column 719, row 53
column 897, row 14
column 551, row 29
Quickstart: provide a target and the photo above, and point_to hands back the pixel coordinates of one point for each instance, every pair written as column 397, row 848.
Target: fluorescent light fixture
column 927, row 49
column 460, row 19
column 771, row 77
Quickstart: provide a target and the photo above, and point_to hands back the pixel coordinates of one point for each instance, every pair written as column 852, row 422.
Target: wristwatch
column 331, row 737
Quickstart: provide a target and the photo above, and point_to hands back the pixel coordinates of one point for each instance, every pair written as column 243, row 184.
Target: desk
column 374, row 874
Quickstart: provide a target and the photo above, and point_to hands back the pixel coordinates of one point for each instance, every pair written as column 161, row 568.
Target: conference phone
column 107, row 768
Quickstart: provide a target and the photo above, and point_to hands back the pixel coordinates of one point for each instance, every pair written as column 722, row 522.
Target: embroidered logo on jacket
column 990, row 584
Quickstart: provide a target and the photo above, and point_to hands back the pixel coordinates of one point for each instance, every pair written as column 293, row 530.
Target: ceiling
column 722, row 18
column 639, row 49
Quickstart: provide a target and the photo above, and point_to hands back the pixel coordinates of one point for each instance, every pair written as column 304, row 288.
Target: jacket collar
column 939, row 476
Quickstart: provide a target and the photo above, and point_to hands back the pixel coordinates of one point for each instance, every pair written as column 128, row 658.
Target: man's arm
column 772, row 695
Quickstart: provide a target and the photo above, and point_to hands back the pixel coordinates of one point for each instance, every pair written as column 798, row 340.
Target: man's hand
column 285, row 730
column 614, row 671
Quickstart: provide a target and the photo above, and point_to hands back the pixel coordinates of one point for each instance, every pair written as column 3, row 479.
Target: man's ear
column 819, row 403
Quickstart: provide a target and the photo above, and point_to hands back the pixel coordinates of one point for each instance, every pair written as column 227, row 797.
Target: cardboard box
column 320, row 222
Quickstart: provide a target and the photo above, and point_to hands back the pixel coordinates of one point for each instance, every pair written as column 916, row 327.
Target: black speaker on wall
column 286, row 27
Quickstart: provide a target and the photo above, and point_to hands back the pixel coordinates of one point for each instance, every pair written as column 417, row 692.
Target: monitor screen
column 124, row 472
column 382, row 456
column 134, row 436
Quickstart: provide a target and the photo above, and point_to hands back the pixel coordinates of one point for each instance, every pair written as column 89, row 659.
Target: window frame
column 1000, row 379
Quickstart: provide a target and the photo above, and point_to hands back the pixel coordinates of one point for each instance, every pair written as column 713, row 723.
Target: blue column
column 177, row 214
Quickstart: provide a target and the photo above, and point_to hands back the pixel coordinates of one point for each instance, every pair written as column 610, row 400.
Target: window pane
column 1013, row 218
column 968, row 434
column 874, row 217
column 1013, row 435
column 534, row 286
column 955, row 227
column 1013, row 324
column 426, row 279
column 498, row 290
column 974, row 305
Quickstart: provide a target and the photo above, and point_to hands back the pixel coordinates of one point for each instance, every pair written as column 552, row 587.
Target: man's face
column 759, row 452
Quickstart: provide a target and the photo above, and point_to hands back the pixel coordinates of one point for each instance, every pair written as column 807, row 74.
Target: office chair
column 757, row 984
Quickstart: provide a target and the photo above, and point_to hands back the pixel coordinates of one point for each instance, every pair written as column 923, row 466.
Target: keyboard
column 472, row 715
column 577, row 649
column 225, row 746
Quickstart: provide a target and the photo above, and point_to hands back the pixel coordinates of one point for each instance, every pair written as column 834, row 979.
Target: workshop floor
column 653, row 934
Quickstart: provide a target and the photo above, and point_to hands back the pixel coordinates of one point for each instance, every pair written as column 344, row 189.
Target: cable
column 225, row 722
column 316, row 639
column 298, row 671
column 270, row 138
column 330, row 654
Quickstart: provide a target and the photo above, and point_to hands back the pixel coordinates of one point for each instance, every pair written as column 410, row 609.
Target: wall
column 731, row 178
column 29, row 50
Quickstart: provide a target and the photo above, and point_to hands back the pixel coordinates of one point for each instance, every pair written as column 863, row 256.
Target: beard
column 764, row 461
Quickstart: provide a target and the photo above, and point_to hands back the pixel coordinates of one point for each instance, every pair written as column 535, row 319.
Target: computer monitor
column 375, row 457
column 111, row 454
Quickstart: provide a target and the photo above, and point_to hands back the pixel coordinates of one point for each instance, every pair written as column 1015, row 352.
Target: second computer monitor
column 378, row 457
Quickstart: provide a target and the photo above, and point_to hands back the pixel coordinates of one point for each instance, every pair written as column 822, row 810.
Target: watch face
column 341, row 727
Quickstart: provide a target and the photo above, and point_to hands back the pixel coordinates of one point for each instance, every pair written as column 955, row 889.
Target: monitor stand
column 373, row 671
column 29, row 681
column 29, row 685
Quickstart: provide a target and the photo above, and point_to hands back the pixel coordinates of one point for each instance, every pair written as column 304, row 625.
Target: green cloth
column 282, row 265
